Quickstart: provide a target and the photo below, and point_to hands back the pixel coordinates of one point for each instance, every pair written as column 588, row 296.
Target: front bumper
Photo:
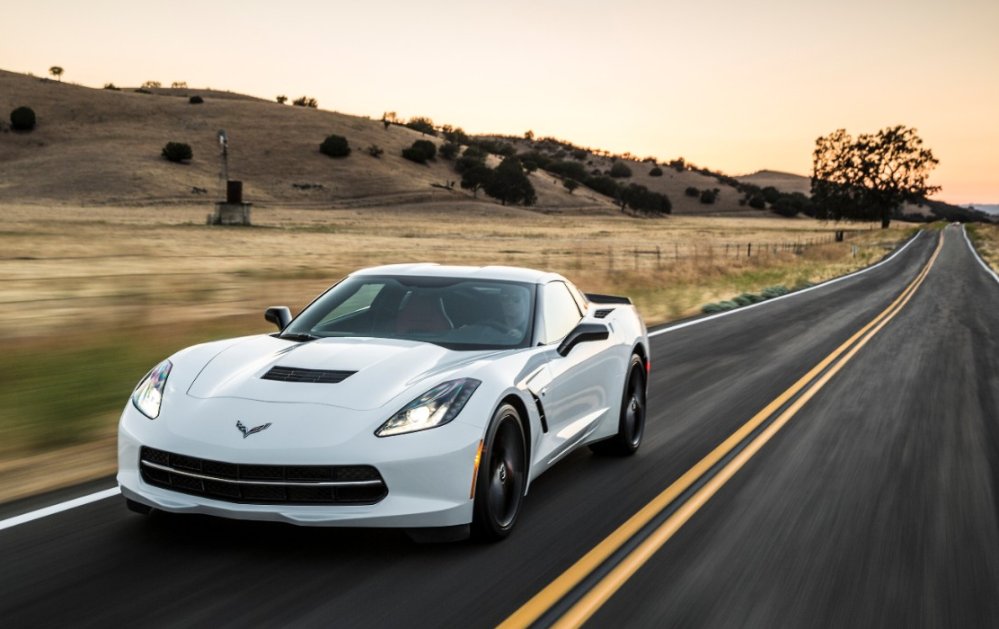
column 428, row 474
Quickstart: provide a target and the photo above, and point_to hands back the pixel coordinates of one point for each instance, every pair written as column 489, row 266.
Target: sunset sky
column 735, row 86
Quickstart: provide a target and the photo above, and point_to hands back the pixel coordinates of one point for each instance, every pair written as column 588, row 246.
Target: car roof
column 430, row 269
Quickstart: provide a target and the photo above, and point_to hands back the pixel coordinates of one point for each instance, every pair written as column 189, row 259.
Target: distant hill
column 103, row 147
column 785, row 182
column 988, row 208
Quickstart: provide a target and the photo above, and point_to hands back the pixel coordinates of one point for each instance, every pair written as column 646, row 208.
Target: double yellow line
column 606, row 586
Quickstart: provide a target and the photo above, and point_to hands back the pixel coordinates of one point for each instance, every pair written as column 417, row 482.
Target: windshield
column 456, row 313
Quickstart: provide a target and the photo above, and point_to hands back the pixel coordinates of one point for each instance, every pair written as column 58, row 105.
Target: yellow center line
column 617, row 577
column 551, row 594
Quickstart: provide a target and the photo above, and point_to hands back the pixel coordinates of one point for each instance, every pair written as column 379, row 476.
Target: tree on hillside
column 510, row 184
column 478, row 175
column 281, row 99
column 529, row 135
column 570, row 184
column 870, row 177
column 422, row 124
column 305, row 101
column 56, row 71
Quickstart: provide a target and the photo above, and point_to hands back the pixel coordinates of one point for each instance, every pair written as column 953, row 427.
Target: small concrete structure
column 232, row 211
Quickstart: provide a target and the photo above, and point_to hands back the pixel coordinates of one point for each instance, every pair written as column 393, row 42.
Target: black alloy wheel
column 502, row 476
column 631, row 425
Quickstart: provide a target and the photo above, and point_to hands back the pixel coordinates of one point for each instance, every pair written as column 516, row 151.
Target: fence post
column 749, row 250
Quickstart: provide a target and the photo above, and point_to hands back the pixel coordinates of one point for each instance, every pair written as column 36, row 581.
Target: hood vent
column 602, row 313
column 314, row 376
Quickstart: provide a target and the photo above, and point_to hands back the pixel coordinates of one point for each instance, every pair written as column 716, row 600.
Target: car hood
column 385, row 368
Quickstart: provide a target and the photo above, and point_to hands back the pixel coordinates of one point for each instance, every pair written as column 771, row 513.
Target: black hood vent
column 314, row 376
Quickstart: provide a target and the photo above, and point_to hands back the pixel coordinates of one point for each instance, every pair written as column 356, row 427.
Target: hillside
column 785, row 182
column 96, row 146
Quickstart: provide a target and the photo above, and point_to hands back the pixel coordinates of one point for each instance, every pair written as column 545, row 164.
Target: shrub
column 728, row 305
column 712, row 308
column 570, row 170
column 305, row 101
column 375, row 151
column 619, row 170
column 758, row 203
column 195, row 100
column 691, row 191
column 579, row 154
column 335, row 146
column 656, row 172
column 177, row 152
column 420, row 151
column 743, row 300
column 22, row 119
column 449, row 150
column 708, row 197
column 111, row 86
column 679, row 165
column 142, row 90
column 774, row 291
column 422, row 124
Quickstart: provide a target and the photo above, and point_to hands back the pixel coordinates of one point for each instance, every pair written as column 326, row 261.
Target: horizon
column 738, row 99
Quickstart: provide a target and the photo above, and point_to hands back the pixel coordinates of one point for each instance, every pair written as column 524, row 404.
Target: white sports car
column 417, row 396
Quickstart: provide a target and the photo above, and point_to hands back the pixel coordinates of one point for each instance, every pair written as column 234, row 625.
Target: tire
column 502, row 476
column 631, row 422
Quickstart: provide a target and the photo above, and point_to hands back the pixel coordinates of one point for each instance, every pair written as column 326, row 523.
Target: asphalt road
column 877, row 504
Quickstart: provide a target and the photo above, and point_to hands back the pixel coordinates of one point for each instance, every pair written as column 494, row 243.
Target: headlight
column 148, row 396
column 434, row 408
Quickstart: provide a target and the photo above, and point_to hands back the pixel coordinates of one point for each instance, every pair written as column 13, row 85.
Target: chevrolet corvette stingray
column 415, row 396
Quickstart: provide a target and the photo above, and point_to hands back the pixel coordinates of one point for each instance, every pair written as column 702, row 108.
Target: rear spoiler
column 607, row 299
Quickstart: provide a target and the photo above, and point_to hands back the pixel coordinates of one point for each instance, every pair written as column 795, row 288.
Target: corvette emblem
column 247, row 432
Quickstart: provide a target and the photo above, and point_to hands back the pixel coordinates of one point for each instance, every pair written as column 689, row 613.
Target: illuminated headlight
column 148, row 396
column 434, row 408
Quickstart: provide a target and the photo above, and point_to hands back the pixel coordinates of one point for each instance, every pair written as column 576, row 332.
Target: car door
column 576, row 397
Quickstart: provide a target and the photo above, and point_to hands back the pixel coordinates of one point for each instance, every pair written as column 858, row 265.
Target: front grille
column 262, row 484
column 314, row 376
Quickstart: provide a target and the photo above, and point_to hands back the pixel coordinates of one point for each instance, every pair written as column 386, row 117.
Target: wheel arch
column 518, row 403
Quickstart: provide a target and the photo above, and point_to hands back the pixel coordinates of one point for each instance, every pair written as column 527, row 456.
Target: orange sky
column 736, row 86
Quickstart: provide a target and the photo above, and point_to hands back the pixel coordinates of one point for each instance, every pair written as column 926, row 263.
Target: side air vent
column 603, row 312
column 314, row 376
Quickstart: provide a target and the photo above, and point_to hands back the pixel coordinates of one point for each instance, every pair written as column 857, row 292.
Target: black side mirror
column 279, row 316
column 583, row 333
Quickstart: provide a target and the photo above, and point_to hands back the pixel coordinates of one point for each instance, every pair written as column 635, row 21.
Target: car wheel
column 631, row 425
column 502, row 476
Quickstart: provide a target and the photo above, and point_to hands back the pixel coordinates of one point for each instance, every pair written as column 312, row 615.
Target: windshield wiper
column 297, row 336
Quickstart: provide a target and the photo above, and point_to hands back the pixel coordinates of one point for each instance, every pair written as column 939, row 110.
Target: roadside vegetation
column 986, row 240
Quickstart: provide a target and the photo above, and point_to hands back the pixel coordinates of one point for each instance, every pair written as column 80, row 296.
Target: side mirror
column 279, row 316
column 583, row 333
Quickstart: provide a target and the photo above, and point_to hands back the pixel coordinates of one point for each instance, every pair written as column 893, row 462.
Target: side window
column 559, row 311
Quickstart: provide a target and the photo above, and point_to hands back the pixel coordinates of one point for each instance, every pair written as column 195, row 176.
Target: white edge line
column 44, row 512
column 978, row 257
column 685, row 324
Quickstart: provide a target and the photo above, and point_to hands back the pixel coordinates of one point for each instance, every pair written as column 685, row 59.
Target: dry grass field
column 986, row 240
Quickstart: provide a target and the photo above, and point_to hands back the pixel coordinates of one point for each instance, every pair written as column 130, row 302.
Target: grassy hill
column 97, row 146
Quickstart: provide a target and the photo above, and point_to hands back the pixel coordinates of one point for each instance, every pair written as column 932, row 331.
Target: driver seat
column 422, row 314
